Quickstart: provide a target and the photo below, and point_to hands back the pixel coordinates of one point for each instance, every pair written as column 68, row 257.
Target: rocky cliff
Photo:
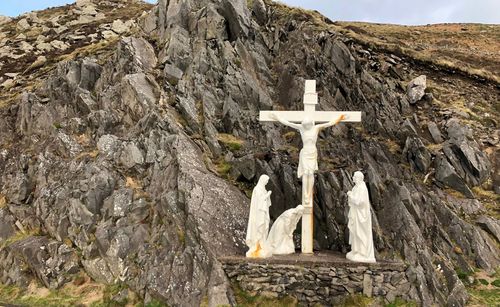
column 129, row 142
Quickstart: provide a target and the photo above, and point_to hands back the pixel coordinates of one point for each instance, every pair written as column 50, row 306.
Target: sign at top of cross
column 310, row 102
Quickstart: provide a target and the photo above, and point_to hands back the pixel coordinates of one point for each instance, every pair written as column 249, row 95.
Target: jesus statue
column 308, row 156
column 308, row 160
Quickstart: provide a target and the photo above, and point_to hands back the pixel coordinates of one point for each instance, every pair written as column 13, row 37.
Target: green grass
column 360, row 300
column 55, row 298
column 111, row 291
column 19, row 236
column 153, row 303
column 222, row 167
column 401, row 303
column 131, row 300
column 245, row 299
column 230, row 141
column 484, row 291
column 357, row 300
column 463, row 275
column 484, row 297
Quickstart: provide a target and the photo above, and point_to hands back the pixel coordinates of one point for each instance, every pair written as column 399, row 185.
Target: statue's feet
column 350, row 255
column 258, row 252
column 359, row 258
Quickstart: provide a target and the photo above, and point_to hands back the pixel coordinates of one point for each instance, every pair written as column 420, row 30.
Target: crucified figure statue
column 308, row 157
column 308, row 162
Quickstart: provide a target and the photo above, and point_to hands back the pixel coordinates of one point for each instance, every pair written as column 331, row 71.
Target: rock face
column 123, row 157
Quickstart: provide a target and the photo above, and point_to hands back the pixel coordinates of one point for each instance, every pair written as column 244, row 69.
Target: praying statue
column 360, row 222
column 258, row 221
column 280, row 239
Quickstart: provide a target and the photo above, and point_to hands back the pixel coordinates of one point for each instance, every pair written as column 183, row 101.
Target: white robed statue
column 280, row 239
column 360, row 222
column 258, row 221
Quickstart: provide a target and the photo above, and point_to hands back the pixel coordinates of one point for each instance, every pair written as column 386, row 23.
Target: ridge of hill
column 471, row 49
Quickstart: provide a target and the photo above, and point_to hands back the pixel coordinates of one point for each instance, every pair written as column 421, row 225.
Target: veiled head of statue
column 358, row 177
column 307, row 123
column 263, row 180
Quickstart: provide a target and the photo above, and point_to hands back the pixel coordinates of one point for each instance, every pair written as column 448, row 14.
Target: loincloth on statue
column 308, row 161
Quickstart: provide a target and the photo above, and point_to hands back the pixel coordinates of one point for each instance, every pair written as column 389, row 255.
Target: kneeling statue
column 280, row 239
column 360, row 222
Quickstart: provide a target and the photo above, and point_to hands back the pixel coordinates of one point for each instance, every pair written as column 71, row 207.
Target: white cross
column 308, row 156
column 310, row 102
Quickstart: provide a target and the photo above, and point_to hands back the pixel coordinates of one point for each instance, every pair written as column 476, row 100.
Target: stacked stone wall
column 320, row 283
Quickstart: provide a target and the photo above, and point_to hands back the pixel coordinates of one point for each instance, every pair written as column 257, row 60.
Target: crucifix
column 304, row 121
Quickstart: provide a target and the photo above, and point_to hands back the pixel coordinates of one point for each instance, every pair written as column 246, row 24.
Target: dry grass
column 230, row 141
column 19, row 236
column 289, row 136
column 283, row 12
column 434, row 148
column 136, row 185
column 105, row 47
column 132, row 183
column 82, row 291
column 88, row 154
column 490, row 200
column 454, row 193
column 3, row 201
column 83, row 139
column 86, row 293
column 393, row 146
column 472, row 49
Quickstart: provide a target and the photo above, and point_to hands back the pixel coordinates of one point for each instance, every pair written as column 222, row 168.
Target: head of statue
column 263, row 180
column 358, row 177
column 307, row 123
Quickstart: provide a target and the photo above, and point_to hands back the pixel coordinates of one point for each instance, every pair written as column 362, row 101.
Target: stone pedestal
column 322, row 278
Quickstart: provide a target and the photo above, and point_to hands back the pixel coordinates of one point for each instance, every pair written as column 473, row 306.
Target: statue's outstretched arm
column 285, row 122
column 331, row 123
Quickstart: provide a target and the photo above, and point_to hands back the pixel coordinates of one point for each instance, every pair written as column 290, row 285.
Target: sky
column 409, row 12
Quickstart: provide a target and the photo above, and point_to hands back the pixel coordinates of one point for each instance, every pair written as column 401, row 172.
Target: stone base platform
column 323, row 278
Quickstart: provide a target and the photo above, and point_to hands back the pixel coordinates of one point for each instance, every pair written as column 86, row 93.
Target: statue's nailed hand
column 273, row 116
column 342, row 117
